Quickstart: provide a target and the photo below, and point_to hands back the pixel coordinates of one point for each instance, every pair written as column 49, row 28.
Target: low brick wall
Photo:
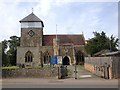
column 89, row 67
column 32, row 73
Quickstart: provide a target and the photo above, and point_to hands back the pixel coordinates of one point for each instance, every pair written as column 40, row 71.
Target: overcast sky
column 71, row 16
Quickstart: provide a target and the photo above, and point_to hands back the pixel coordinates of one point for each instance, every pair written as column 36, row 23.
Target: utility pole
column 56, row 44
column 56, row 33
column 57, row 53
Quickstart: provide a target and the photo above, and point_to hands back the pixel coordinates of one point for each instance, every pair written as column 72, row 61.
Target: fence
column 106, row 67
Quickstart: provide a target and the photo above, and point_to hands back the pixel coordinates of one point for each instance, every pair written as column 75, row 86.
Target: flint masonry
column 36, row 48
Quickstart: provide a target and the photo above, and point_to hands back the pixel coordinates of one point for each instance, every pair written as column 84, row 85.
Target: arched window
column 79, row 57
column 46, row 58
column 28, row 57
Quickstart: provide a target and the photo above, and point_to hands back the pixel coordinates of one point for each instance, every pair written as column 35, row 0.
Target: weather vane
column 32, row 10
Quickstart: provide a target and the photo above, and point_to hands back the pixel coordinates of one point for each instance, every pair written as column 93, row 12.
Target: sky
column 71, row 16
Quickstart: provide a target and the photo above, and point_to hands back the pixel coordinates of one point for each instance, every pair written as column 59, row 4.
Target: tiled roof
column 101, row 52
column 111, row 53
column 30, row 18
column 64, row 39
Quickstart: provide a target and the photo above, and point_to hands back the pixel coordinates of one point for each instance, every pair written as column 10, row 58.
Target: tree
column 4, row 55
column 13, row 43
column 100, row 42
column 113, row 43
column 0, row 52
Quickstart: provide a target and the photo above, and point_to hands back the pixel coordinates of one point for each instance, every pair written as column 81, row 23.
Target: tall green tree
column 13, row 43
column 113, row 42
column 100, row 42
column 5, row 61
column 0, row 53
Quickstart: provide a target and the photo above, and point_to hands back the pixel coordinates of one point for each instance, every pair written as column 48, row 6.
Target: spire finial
column 82, row 32
column 32, row 10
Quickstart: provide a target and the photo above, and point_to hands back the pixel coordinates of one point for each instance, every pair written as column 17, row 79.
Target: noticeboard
column 59, row 59
column 53, row 60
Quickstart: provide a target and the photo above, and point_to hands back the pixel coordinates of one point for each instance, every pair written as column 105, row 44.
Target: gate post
column 59, row 74
column 75, row 72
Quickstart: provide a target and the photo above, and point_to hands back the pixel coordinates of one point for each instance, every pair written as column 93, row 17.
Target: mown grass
column 15, row 67
column 38, row 67
column 9, row 67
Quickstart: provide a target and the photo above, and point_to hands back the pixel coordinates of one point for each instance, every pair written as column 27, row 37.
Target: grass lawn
column 14, row 67
column 9, row 67
column 37, row 67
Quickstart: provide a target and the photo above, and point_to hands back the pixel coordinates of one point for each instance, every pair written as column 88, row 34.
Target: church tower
column 28, row 53
column 31, row 31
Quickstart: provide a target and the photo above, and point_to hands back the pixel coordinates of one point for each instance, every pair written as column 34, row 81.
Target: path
column 82, row 73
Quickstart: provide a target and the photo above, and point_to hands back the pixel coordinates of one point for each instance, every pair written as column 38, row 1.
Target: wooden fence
column 106, row 67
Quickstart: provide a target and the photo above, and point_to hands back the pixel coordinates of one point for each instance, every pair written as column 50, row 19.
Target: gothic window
column 79, row 57
column 28, row 57
column 46, row 57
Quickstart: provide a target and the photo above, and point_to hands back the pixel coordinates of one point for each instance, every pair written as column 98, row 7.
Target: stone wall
column 30, row 73
column 21, row 51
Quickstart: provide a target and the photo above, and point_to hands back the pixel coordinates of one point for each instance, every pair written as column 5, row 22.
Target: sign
column 53, row 60
column 59, row 58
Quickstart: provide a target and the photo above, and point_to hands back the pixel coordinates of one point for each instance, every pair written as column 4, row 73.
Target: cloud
column 44, row 6
column 72, row 17
column 8, row 19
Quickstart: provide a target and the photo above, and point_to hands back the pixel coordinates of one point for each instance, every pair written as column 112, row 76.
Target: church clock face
column 31, row 33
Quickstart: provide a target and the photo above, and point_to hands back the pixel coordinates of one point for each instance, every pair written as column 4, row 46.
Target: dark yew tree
column 5, row 61
column 113, row 42
column 101, row 42
column 12, row 52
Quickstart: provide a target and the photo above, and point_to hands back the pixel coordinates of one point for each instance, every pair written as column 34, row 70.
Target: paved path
column 82, row 73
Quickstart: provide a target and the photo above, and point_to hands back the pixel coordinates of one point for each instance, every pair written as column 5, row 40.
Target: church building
column 36, row 48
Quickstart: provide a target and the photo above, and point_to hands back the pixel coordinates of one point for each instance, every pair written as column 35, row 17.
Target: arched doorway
column 66, row 61
column 79, row 58
column 28, row 57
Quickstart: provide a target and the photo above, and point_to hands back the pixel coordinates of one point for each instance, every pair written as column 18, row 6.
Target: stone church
column 36, row 48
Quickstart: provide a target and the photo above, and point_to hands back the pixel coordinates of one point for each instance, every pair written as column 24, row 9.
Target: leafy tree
column 4, row 55
column 113, row 43
column 13, row 43
column 100, row 42
column 0, row 53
